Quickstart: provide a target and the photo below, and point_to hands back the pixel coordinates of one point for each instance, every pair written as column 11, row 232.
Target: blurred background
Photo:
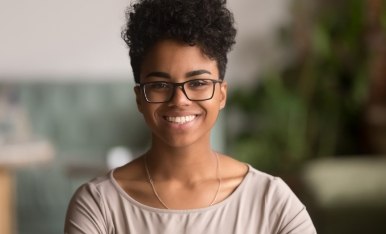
column 307, row 102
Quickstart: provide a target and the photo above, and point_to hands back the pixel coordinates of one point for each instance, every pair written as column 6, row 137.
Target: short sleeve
column 85, row 213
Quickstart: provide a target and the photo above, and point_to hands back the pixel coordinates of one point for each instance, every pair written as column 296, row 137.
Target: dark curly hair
column 205, row 23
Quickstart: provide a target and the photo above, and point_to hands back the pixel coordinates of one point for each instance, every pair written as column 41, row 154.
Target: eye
column 158, row 86
column 199, row 84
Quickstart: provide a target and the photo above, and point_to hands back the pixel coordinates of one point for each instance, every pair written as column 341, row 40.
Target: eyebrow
column 158, row 74
column 197, row 73
column 188, row 74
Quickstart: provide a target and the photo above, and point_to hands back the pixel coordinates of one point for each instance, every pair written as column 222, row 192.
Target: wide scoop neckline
column 145, row 207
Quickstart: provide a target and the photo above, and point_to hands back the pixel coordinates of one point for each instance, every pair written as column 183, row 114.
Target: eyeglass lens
column 194, row 90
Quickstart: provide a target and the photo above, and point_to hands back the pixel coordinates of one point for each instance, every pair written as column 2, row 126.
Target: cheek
column 149, row 119
column 149, row 112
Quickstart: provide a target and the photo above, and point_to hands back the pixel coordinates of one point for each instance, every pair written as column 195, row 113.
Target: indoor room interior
column 306, row 102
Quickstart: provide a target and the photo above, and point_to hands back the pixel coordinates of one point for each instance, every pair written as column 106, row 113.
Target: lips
column 180, row 119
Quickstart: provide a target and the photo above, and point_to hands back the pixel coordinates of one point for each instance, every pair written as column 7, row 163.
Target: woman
column 178, row 52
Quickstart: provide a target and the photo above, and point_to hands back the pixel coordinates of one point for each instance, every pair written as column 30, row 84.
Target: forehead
column 176, row 58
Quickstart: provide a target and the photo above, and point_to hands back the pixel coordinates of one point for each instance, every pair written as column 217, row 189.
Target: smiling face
column 180, row 122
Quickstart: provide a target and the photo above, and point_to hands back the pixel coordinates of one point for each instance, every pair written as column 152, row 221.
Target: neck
column 151, row 181
column 184, row 164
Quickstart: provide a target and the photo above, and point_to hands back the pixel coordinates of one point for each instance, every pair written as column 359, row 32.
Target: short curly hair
column 205, row 23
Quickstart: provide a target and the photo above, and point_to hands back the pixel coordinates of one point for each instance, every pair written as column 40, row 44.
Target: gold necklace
column 159, row 198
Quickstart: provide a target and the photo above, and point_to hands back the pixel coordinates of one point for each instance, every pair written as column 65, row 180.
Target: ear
column 223, row 94
column 138, row 98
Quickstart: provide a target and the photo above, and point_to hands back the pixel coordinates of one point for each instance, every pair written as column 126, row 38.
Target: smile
column 180, row 119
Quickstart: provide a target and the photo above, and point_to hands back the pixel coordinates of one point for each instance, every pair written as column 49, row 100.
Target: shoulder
column 258, row 185
column 93, row 194
column 284, row 209
column 267, row 181
column 87, row 212
column 231, row 167
column 96, row 187
column 271, row 189
column 254, row 178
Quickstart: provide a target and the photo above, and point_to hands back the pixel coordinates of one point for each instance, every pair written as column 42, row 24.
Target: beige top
column 261, row 204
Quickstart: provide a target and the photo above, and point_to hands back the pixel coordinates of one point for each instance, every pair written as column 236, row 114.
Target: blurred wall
column 61, row 40
column 72, row 40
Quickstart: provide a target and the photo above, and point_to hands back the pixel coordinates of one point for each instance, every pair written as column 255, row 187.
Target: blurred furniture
column 347, row 194
column 13, row 156
column 83, row 120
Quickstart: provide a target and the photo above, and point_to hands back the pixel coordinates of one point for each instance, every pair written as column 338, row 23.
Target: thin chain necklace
column 163, row 203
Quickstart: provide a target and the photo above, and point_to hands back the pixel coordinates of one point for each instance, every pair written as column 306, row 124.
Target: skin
column 180, row 159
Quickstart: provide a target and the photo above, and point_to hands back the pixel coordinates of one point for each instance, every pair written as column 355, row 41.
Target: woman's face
column 180, row 122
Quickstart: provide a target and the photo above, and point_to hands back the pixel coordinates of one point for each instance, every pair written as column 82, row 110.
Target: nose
column 179, row 97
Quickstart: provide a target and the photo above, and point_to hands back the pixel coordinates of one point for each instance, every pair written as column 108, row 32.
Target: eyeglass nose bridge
column 181, row 86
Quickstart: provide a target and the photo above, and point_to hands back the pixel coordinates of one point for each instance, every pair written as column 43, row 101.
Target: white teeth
column 180, row 119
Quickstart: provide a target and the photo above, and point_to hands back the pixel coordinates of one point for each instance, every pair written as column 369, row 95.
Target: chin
column 176, row 141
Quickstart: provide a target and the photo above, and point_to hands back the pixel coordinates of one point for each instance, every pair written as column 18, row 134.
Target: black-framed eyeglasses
column 194, row 90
